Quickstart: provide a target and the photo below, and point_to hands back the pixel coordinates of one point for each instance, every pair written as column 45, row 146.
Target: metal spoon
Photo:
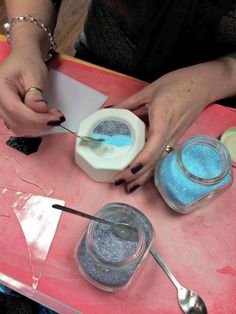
column 123, row 230
column 189, row 301
column 85, row 138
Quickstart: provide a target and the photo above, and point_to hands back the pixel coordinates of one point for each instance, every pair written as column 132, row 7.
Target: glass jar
column 195, row 173
column 104, row 259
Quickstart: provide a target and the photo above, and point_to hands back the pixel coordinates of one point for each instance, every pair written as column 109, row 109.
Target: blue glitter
column 181, row 191
column 198, row 158
column 115, row 140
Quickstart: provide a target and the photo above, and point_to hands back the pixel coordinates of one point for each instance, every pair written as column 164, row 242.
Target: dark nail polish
column 135, row 187
column 108, row 106
column 120, row 181
column 62, row 119
column 138, row 167
column 54, row 123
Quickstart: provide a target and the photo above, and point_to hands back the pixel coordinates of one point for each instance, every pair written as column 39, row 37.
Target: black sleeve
column 56, row 4
column 227, row 27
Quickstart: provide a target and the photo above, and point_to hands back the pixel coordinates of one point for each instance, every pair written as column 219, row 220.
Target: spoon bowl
column 189, row 301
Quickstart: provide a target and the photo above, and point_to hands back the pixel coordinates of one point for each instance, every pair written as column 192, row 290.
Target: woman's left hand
column 173, row 102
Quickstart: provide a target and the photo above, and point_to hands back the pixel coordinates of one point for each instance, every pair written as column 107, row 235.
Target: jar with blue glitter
column 194, row 174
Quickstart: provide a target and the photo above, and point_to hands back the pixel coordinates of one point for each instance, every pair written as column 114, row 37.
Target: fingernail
column 138, row 167
column 62, row 119
column 135, row 187
column 41, row 100
column 120, row 181
column 58, row 122
column 108, row 106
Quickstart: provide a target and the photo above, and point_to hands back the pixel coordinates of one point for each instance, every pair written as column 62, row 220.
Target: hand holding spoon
column 189, row 301
column 123, row 230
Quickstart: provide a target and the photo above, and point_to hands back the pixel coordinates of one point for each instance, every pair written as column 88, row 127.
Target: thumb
column 133, row 102
column 34, row 99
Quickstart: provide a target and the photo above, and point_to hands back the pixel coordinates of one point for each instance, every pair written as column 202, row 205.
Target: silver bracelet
column 28, row 18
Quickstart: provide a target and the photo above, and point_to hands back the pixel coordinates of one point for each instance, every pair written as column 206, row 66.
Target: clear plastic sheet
column 24, row 201
column 37, row 295
column 38, row 221
column 17, row 177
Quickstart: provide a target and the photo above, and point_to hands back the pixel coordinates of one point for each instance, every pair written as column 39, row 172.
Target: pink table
column 199, row 248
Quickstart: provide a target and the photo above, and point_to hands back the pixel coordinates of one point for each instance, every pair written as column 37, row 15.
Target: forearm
column 209, row 81
column 28, row 35
column 227, row 82
column 219, row 77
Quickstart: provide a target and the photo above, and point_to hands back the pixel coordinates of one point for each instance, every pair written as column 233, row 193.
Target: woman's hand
column 26, row 114
column 173, row 102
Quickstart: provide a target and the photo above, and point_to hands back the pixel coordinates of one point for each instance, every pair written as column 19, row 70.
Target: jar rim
column 213, row 143
column 103, row 213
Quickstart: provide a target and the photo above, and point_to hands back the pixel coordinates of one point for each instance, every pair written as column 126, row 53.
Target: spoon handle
column 84, row 138
column 62, row 126
column 164, row 267
column 82, row 214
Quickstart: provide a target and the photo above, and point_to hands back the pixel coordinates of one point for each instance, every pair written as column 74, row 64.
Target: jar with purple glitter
column 194, row 174
column 103, row 258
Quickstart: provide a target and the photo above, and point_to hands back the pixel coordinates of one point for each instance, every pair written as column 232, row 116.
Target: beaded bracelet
column 28, row 18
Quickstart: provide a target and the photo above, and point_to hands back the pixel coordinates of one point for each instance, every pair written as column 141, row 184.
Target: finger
column 159, row 136
column 32, row 123
column 34, row 84
column 144, row 161
column 19, row 118
column 141, row 180
column 136, row 100
column 140, row 173
column 34, row 99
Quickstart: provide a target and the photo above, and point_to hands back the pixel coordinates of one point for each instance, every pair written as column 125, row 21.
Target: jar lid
column 228, row 138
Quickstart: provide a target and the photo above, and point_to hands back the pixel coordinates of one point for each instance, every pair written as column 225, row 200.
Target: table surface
column 38, row 253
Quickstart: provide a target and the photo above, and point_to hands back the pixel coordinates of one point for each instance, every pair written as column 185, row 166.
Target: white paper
column 75, row 99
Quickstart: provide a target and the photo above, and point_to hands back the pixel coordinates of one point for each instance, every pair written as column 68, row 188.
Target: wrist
column 29, row 51
column 27, row 31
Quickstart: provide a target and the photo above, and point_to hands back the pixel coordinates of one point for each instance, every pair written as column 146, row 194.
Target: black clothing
column 146, row 38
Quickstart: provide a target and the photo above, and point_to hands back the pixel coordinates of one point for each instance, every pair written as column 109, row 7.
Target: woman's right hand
column 28, row 114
